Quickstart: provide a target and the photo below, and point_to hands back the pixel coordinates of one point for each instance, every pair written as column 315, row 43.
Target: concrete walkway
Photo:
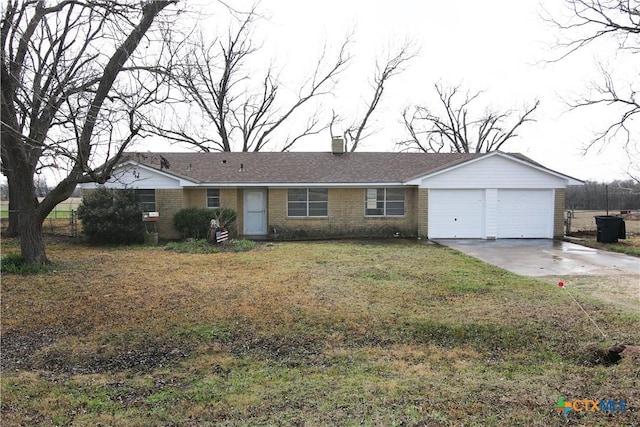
column 542, row 257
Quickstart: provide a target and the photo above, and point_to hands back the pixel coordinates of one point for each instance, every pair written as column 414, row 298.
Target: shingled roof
column 298, row 167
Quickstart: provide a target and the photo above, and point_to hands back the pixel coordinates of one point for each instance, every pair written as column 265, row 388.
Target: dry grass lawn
column 323, row 333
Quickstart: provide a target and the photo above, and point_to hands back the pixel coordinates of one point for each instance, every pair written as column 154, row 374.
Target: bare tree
column 589, row 20
column 609, row 93
column 243, row 107
column 583, row 23
column 457, row 128
column 394, row 65
column 72, row 93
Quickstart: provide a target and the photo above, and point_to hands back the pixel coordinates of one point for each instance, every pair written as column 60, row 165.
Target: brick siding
column 168, row 203
column 423, row 212
column 346, row 216
column 197, row 198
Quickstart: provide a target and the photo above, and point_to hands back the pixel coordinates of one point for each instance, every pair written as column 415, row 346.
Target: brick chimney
column 337, row 145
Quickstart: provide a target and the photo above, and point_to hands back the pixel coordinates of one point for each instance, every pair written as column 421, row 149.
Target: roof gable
column 495, row 170
column 131, row 174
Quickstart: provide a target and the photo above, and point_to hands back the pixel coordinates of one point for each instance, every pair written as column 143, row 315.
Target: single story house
column 341, row 194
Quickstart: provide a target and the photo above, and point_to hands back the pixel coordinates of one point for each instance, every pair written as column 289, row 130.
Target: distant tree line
column 616, row 195
column 42, row 189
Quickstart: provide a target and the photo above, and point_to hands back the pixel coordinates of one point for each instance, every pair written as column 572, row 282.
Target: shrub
column 226, row 217
column 193, row 246
column 194, row 223
column 370, row 232
column 15, row 263
column 112, row 216
column 242, row 245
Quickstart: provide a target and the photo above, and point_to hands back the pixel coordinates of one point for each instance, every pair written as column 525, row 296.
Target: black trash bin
column 610, row 228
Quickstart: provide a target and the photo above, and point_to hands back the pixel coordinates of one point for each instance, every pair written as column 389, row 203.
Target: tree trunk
column 33, row 214
column 30, row 224
column 31, row 219
column 24, row 201
column 32, row 246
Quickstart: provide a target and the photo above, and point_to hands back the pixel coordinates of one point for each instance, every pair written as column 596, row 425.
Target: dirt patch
column 17, row 346
column 623, row 290
column 50, row 351
column 141, row 358
column 283, row 350
column 593, row 355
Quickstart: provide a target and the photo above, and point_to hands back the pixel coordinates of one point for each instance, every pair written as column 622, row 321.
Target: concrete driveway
column 542, row 257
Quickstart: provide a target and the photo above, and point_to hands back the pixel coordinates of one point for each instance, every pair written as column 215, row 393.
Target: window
column 213, row 198
column 307, row 202
column 384, row 202
column 147, row 198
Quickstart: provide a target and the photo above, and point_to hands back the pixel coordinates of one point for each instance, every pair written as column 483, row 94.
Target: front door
column 255, row 212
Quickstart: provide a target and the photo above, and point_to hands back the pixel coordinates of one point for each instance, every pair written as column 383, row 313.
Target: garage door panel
column 456, row 214
column 525, row 214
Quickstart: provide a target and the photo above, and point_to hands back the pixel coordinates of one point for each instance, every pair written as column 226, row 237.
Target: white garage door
column 525, row 214
column 456, row 214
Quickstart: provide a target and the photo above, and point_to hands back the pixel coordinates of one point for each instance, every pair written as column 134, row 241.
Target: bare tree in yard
column 72, row 92
column 239, row 106
column 394, row 65
column 589, row 21
column 459, row 129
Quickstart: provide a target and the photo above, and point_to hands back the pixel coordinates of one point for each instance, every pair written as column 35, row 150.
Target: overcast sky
column 498, row 46
column 501, row 47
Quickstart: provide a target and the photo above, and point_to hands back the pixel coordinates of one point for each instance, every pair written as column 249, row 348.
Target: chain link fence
column 62, row 220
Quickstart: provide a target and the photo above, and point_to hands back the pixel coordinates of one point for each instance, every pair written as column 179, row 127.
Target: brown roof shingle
column 298, row 167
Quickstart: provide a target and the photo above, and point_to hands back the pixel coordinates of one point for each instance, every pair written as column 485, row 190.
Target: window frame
column 307, row 203
column 208, row 197
column 385, row 204
column 144, row 203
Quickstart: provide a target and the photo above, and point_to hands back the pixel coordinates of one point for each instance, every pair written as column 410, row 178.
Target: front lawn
column 324, row 333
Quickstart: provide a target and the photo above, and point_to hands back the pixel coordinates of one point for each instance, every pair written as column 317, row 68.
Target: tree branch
column 394, row 65
column 456, row 129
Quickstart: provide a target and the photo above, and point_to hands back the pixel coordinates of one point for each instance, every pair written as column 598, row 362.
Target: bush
column 193, row 246
column 112, row 217
column 242, row 245
column 226, row 217
column 193, row 223
column 15, row 263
